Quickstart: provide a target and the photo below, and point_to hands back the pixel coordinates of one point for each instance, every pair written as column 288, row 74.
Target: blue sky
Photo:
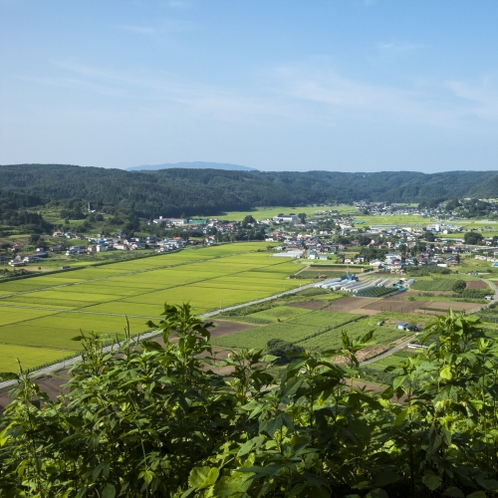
column 342, row 85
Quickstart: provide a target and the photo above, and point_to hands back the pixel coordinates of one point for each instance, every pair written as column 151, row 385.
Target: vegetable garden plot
column 321, row 319
column 321, row 342
column 382, row 335
column 437, row 284
column 258, row 337
column 280, row 313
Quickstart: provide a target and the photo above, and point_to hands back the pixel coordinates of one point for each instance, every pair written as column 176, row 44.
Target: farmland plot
column 47, row 311
column 296, row 330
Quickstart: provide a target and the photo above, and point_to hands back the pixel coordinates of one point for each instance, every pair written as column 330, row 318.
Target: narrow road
column 493, row 287
column 389, row 352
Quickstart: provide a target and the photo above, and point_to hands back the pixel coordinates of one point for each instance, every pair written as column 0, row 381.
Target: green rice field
column 314, row 330
column 269, row 212
column 40, row 315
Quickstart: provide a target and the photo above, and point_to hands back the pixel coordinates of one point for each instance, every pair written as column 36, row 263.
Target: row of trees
column 161, row 422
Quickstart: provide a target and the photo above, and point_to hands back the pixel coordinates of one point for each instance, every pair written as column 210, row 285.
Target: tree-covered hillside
column 188, row 192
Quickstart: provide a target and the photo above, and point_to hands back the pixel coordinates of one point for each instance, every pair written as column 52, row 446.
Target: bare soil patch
column 476, row 284
column 222, row 328
column 455, row 306
column 52, row 385
column 397, row 305
column 350, row 305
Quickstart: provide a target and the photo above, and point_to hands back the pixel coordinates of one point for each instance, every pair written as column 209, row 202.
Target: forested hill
column 175, row 192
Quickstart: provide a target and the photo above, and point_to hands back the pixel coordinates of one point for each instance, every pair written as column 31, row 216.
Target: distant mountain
column 192, row 165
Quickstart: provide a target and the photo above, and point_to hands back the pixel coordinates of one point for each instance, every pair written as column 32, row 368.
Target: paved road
column 389, row 352
column 495, row 288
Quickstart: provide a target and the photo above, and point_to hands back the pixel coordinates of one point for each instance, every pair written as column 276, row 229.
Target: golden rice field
column 39, row 316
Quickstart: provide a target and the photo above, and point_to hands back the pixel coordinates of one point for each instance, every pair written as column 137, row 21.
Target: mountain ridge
column 192, row 165
column 210, row 192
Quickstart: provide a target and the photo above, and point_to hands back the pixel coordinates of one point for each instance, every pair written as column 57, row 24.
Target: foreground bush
column 159, row 422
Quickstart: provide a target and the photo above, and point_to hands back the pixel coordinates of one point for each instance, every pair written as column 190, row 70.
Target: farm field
column 41, row 315
column 296, row 330
column 399, row 220
column 269, row 212
column 316, row 330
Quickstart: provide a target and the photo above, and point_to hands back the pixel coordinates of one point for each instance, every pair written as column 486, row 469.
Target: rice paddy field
column 263, row 213
column 40, row 315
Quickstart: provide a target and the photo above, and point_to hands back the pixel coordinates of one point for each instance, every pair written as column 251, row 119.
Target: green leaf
column 109, row 491
column 455, row 492
column 203, row 477
column 386, row 477
column 147, row 475
column 98, row 469
column 246, row 448
column 81, row 492
column 377, row 493
column 188, row 493
column 431, row 480
column 488, row 483
column 398, row 381
column 400, row 417
column 297, row 490
column 271, row 426
column 477, row 494
column 231, row 487
column 445, row 373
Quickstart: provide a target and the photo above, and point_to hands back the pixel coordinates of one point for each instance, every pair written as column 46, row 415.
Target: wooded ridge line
column 176, row 192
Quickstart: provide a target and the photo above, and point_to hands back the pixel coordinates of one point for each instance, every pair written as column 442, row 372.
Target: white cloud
column 164, row 27
column 309, row 92
column 398, row 47
column 429, row 103
column 480, row 99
